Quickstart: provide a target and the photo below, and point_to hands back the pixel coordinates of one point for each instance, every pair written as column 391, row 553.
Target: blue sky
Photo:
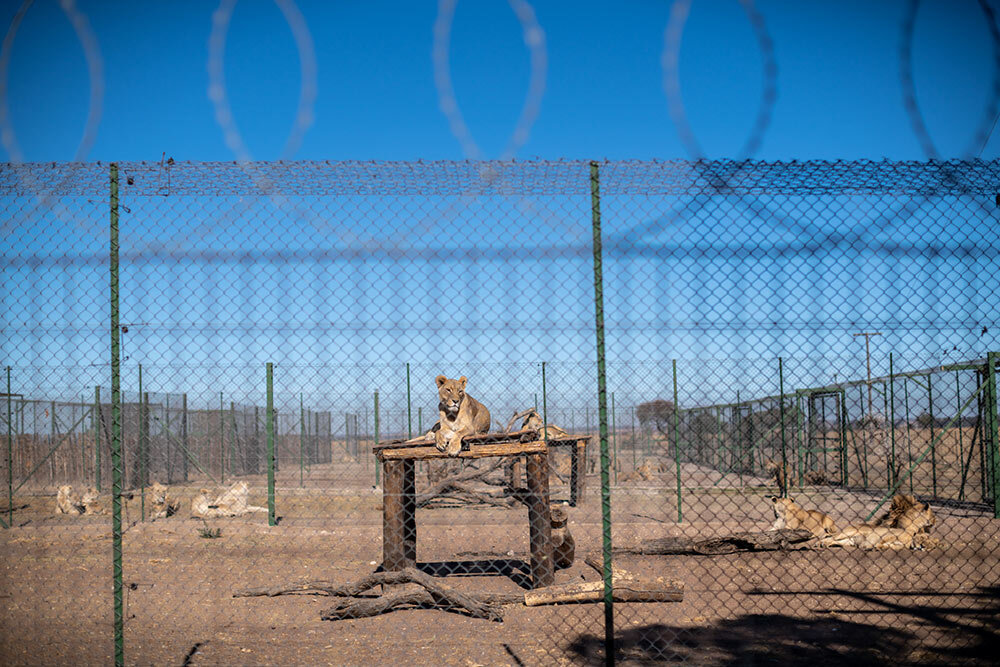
column 838, row 83
column 839, row 96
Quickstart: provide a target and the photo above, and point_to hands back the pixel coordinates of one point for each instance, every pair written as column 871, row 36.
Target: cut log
column 625, row 588
column 771, row 540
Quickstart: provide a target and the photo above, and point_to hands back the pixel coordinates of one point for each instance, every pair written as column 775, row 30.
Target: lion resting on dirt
column 233, row 502
column 459, row 414
column 162, row 504
column 789, row 514
column 68, row 502
column 905, row 526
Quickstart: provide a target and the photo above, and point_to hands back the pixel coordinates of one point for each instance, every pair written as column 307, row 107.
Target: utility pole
column 868, row 363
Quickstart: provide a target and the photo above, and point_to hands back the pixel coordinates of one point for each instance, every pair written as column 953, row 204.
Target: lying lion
column 532, row 420
column 233, row 502
column 68, row 502
column 789, row 514
column 906, row 525
column 162, row 504
column 459, row 414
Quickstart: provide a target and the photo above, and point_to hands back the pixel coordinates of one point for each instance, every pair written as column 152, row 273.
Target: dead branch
column 357, row 602
column 454, row 483
column 771, row 540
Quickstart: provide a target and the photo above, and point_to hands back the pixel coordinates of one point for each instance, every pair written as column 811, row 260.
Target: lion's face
column 451, row 393
column 89, row 496
column 159, row 492
column 781, row 505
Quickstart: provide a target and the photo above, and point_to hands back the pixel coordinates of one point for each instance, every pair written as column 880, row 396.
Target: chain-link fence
column 723, row 411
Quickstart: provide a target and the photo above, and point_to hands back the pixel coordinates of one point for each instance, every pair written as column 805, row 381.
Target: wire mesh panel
column 726, row 411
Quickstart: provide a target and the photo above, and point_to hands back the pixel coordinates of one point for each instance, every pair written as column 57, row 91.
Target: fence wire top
column 535, row 177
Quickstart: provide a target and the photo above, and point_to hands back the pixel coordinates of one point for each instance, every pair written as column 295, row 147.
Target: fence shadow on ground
column 961, row 635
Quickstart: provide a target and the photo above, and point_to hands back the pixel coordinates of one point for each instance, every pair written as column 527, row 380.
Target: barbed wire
column 95, row 70
column 985, row 128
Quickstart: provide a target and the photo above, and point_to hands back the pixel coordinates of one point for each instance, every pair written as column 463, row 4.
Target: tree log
column 771, row 540
column 624, row 588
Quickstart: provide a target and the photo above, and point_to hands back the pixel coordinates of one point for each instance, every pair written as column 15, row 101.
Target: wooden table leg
column 410, row 511
column 398, row 524
column 540, row 521
column 577, row 474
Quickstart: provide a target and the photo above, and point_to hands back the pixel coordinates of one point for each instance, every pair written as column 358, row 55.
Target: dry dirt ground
column 808, row 606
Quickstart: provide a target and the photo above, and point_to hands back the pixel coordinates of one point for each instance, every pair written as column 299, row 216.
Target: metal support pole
column 97, row 437
column 377, row 465
column 302, row 437
column 930, row 415
column 184, row 434
column 781, row 414
column 10, row 457
column 892, row 423
column 116, row 432
column 602, row 402
column 409, row 415
column 545, row 407
column 222, row 440
column 992, row 424
column 270, row 444
column 677, row 443
column 614, row 438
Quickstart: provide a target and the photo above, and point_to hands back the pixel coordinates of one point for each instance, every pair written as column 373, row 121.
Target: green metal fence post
column 97, row 437
column 545, row 407
column 614, row 439
column 781, row 416
column 270, row 444
column 184, row 434
column 677, row 442
column 116, row 432
column 893, row 469
column 377, row 466
column 961, row 447
column 602, row 403
column 222, row 440
column 302, row 438
column 409, row 416
column 143, row 450
column 930, row 415
column 992, row 424
column 10, row 456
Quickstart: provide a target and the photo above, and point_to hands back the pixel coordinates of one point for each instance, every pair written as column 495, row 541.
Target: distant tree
column 658, row 414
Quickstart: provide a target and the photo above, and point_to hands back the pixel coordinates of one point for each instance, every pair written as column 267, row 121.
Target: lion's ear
column 462, row 380
column 440, row 379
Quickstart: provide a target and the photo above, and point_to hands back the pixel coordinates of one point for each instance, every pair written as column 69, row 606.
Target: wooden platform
column 399, row 524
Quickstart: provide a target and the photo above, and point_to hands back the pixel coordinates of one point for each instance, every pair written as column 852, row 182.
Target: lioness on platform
column 459, row 415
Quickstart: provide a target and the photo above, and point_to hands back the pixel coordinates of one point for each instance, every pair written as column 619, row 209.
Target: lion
column 460, row 415
column 563, row 544
column 68, row 502
column 162, row 504
column 779, row 472
column 533, row 421
column 233, row 502
column 905, row 526
column 789, row 514
column 90, row 500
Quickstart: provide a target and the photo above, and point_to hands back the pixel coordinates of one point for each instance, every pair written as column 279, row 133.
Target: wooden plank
column 426, row 453
column 515, row 436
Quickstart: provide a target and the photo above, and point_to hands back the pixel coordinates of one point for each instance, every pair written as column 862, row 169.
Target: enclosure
column 719, row 332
